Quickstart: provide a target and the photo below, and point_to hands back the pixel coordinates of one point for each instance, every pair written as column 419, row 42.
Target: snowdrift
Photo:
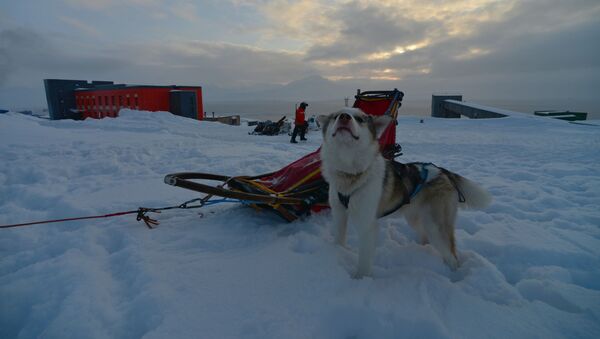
column 530, row 262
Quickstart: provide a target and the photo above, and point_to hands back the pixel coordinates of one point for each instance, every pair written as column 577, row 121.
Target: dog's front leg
column 366, row 248
column 340, row 218
column 340, row 223
column 363, row 215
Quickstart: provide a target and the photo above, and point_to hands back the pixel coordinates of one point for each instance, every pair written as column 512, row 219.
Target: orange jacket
column 300, row 116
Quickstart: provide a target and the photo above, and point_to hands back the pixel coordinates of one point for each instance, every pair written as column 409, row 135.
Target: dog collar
column 344, row 199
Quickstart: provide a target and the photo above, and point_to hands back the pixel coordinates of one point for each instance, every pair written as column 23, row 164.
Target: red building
column 106, row 101
column 80, row 99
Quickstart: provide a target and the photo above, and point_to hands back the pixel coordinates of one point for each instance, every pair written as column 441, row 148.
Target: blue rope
column 218, row 201
column 231, row 200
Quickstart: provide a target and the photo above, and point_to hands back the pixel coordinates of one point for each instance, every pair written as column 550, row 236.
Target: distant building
column 452, row 106
column 79, row 99
column 562, row 115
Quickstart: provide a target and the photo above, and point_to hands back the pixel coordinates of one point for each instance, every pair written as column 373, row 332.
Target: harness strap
column 344, row 199
column 424, row 173
column 452, row 178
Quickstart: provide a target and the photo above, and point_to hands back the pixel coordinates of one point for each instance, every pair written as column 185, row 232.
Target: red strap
column 69, row 219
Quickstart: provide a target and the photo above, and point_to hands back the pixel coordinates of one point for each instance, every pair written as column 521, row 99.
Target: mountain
column 310, row 88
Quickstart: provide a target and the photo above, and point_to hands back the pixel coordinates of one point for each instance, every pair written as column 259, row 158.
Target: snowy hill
column 530, row 262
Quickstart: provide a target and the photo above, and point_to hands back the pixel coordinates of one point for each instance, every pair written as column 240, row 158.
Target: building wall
column 200, row 107
column 437, row 105
column 107, row 103
column 101, row 103
column 60, row 95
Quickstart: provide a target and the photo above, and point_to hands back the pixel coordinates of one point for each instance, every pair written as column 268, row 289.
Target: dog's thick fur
column 364, row 186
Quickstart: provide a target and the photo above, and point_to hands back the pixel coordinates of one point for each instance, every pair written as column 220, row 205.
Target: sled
column 298, row 188
column 269, row 127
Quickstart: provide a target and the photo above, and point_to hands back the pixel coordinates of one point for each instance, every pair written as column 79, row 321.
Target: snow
column 530, row 262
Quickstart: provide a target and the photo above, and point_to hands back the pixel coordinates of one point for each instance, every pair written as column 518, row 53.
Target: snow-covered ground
column 530, row 262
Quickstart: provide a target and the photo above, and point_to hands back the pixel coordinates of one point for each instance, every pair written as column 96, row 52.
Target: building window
column 136, row 101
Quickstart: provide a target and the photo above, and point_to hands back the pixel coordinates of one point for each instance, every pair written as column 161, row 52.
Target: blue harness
column 424, row 173
column 345, row 199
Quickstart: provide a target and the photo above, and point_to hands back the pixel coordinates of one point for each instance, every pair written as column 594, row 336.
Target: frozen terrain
column 530, row 262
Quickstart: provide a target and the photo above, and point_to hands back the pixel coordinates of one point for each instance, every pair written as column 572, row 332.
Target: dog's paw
column 360, row 275
column 452, row 262
column 340, row 242
column 344, row 246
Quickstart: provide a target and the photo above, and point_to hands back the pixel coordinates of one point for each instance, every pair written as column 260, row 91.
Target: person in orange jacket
column 300, row 123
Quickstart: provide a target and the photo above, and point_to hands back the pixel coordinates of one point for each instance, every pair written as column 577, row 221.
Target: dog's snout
column 345, row 117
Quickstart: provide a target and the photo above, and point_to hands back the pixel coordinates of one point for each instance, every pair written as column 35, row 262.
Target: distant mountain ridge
column 310, row 88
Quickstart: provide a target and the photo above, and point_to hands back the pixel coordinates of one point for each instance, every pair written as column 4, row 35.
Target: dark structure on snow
column 452, row 106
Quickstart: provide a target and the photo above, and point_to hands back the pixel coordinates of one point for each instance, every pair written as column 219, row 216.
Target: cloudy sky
column 481, row 48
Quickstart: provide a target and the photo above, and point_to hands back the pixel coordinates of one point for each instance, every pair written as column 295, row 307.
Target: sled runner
column 297, row 188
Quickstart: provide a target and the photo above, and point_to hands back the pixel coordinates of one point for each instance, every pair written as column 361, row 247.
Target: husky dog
column 364, row 186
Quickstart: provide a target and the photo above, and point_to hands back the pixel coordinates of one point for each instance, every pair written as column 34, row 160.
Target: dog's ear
column 381, row 123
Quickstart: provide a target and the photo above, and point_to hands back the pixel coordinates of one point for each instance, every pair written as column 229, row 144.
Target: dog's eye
column 359, row 120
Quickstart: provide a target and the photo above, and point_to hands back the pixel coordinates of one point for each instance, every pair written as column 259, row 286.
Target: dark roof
column 124, row 86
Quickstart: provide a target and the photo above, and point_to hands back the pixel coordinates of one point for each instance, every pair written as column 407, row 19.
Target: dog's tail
column 471, row 195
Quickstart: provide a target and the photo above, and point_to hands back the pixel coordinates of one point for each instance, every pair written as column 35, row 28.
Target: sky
column 500, row 49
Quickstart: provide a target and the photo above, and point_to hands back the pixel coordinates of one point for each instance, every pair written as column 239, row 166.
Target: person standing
column 300, row 124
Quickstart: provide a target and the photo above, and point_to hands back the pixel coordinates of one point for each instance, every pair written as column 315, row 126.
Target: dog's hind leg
column 439, row 225
column 414, row 220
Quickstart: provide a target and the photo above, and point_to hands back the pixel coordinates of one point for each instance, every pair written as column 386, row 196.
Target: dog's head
column 352, row 127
